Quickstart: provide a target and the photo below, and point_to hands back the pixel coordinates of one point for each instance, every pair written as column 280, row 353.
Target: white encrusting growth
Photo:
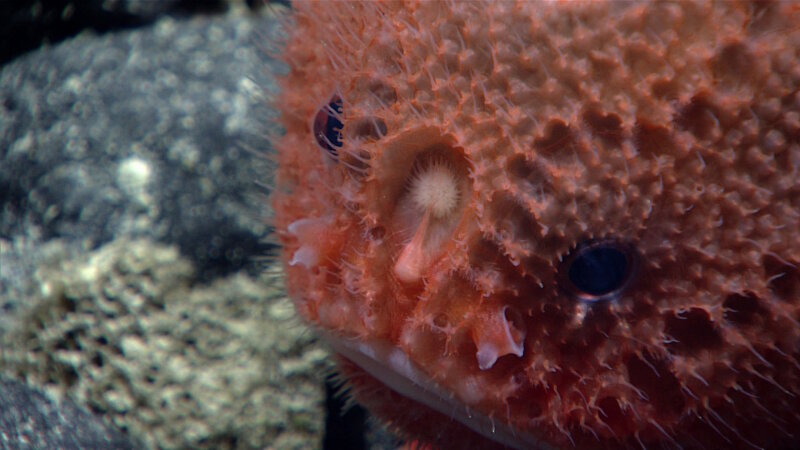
column 435, row 188
column 134, row 176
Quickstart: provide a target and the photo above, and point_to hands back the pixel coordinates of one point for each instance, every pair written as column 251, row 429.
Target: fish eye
column 328, row 126
column 599, row 270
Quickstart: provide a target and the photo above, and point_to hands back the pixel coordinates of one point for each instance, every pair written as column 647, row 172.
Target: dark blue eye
column 600, row 270
column 328, row 126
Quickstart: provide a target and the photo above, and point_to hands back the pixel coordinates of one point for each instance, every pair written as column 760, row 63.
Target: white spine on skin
column 511, row 344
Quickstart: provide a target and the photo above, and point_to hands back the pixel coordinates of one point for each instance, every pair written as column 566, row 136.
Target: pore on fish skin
column 545, row 225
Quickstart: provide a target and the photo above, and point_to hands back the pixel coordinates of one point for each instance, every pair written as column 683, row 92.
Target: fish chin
column 392, row 367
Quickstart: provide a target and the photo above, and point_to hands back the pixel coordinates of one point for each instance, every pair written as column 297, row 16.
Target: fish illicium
column 550, row 225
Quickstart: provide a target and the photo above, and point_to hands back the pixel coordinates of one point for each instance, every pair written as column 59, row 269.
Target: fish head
column 547, row 225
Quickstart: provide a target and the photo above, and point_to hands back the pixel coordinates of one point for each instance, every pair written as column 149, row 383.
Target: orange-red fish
column 550, row 224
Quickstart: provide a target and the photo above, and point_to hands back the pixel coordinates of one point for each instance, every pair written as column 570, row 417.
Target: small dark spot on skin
column 333, row 276
column 742, row 309
column 532, row 398
column 691, row 331
column 535, row 181
column 651, row 139
column 665, row 88
column 441, row 321
column 734, row 64
column 700, row 117
column 386, row 94
column 556, row 136
column 613, row 415
column 652, row 376
column 606, row 126
column 377, row 233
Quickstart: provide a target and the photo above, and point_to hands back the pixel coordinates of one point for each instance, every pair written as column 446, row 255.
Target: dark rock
column 141, row 133
column 27, row 24
column 29, row 419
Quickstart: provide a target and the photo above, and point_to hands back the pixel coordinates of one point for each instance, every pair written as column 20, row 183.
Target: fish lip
column 403, row 376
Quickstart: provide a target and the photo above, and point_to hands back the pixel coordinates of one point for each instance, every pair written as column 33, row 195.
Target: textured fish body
column 551, row 225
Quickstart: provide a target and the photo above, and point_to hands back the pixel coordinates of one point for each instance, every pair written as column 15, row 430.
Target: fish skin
column 667, row 131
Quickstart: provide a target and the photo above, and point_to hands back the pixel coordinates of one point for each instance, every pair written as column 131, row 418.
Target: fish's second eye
column 328, row 126
column 599, row 270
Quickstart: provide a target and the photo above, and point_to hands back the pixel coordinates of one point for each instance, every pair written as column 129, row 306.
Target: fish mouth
column 392, row 367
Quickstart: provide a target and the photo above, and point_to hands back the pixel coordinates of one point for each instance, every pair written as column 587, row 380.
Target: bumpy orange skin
column 673, row 128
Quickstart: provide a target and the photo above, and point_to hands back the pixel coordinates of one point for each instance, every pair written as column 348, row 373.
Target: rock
column 29, row 419
column 27, row 24
column 142, row 133
column 130, row 226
